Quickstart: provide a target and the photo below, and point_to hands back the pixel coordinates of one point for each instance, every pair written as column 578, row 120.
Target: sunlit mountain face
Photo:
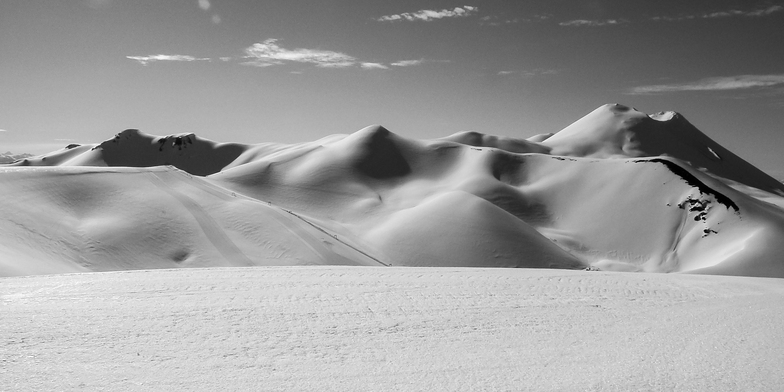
column 616, row 190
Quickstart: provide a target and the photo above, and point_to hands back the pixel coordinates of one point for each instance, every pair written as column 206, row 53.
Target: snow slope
column 65, row 219
column 616, row 190
column 401, row 329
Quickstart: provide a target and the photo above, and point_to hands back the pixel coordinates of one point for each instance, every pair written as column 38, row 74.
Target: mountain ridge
column 593, row 195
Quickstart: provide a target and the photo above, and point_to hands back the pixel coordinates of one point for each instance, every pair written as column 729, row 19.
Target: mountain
column 616, row 190
column 617, row 131
column 9, row 157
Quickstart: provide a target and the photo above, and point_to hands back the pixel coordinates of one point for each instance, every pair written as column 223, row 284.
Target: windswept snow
column 379, row 328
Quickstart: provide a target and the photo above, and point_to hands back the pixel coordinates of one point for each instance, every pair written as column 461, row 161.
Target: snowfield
column 378, row 328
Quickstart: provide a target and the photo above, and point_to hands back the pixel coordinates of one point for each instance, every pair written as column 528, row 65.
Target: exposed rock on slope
column 132, row 148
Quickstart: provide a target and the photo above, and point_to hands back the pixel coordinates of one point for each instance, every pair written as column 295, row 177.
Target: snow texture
column 390, row 329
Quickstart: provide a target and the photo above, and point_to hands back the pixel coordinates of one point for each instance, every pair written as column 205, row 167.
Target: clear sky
column 79, row 71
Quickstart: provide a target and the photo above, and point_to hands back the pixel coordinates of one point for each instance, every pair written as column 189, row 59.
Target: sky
column 79, row 71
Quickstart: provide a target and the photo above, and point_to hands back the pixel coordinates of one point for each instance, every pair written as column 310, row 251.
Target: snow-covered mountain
column 616, row 190
column 9, row 157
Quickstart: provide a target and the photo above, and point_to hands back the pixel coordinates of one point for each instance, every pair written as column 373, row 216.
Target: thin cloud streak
column 430, row 15
column 492, row 20
column 373, row 66
column 722, row 14
column 738, row 82
column 146, row 60
column 529, row 73
column 766, row 11
column 407, row 63
column 593, row 23
column 269, row 53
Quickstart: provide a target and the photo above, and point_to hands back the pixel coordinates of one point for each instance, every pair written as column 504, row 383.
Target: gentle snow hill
column 390, row 329
column 66, row 219
column 617, row 190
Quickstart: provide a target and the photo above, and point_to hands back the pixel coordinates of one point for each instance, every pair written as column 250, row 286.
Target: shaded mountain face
column 616, row 190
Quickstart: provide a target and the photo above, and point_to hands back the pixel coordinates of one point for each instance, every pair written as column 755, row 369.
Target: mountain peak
column 618, row 131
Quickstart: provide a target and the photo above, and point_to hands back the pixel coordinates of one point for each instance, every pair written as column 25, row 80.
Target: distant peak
column 374, row 131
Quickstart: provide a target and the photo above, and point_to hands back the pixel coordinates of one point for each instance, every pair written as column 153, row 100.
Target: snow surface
column 379, row 328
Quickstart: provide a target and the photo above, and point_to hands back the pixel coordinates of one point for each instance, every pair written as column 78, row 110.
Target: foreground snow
column 378, row 328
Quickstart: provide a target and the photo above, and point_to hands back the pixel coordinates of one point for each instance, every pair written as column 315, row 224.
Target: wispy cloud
column 529, row 73
column 204, row 4
column 3, row 130
column 145, row 60
column 373, row 66
column 593, row 23
column 766, row 11
column 269, row 53
column 408, row 63
column 738, row 82
column 493, row 20
column 723, row 14
column 430, row 15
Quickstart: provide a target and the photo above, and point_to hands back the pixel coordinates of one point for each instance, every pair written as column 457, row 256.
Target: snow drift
column 616, row 190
